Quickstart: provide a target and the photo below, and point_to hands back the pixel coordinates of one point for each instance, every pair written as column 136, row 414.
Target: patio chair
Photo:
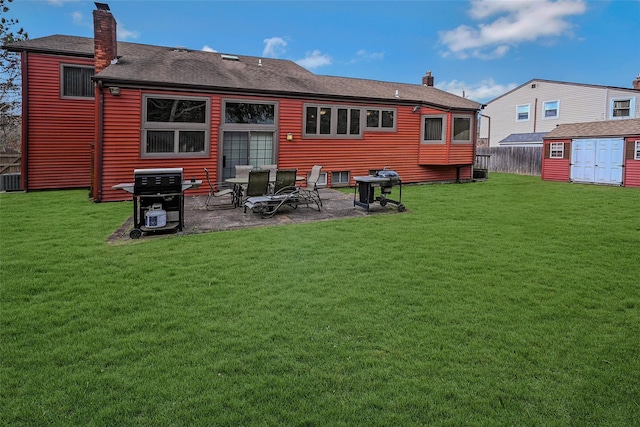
column 272, row 171
column 312, row 185
column 216, row 191
column 242, row 171
column 258, row 184
column 285, row 181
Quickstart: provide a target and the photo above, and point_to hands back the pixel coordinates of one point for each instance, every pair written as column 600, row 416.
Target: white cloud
column 363, row 55
column 206, row 48
column 482, row 91
column 513, row 22
column 274, row 47
column 78, row 19
column 124, row 34
column 314, row 59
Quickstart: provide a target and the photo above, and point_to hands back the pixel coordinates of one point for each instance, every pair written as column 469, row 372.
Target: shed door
column 597, row 160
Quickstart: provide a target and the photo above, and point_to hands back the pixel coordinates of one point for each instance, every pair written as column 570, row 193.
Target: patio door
column 246, row 148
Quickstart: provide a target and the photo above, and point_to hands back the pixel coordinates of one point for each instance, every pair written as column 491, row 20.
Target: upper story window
column 175, row 126
column 551, row 110
column 556, row 150
column 434, row 129
column 622, row 108
column 462, row 130
column 637, row 151
column 239, row 112
column 380, row 119
column 76, row 81
column 522, row 112
column 332, row 121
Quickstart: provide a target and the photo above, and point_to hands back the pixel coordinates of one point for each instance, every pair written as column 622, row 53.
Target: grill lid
column 157, row 181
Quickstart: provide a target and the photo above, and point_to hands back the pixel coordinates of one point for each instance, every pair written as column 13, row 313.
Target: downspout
column 535, row 114
column 24, row 158
column 97, row 173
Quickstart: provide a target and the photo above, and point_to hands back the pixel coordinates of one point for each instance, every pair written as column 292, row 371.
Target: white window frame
column 632, row 108
column 637, row 151
column 176, row 127
column 545, row 108
column 471, row 129
column 443, row 137
column 556, row 150
column 528, row 108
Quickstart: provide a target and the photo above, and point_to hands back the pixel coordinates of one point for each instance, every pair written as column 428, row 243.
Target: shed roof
column 140, row 64
column 602, row 128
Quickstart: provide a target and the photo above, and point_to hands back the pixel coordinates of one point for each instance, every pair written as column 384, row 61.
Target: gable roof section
column 147, row 65
column 600, row 129
column 532, row 81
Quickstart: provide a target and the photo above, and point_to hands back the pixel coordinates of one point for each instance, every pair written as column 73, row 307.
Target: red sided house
column 96, row 109
column 603, row 152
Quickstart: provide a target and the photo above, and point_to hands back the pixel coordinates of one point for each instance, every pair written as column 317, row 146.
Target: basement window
column 340, row 179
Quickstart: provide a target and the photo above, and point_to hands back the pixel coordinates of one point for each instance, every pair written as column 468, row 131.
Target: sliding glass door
column 246, row 148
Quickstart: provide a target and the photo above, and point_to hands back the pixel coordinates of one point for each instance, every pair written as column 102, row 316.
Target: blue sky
column 481, row 47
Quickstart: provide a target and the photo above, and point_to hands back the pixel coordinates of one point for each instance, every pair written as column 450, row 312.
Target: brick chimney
column 104, row 40
column 636, row 83
column 427, row 80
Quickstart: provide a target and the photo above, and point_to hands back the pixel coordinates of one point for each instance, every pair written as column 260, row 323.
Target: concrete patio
column 197, row 219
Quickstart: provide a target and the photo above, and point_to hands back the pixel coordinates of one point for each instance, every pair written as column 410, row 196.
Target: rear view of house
column 96, row 109
column 603, row 152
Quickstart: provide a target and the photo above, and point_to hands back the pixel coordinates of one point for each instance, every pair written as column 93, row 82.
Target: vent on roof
column 229, row 57
column 180, row 49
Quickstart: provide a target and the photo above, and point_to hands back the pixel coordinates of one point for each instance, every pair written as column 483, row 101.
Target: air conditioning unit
column 10, row 182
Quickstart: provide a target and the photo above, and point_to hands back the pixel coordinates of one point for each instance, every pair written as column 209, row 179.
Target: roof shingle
column 600, row 129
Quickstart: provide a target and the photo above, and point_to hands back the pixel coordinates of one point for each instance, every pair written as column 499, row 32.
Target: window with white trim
column 462, row 130
column 330, row 121
column 381, row 119
column 622, row 108
column 522, row 112
column 637, row 151
column 76, row 81
column 175, row 126
column 556, row 150
column 550, row 109
column 434, row 129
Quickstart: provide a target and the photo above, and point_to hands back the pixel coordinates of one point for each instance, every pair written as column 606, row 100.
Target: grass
column 507, row 302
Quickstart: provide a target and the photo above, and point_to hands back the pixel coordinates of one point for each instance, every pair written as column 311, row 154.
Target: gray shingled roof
column 603, row 128
column 141, row 64
column 525, row 137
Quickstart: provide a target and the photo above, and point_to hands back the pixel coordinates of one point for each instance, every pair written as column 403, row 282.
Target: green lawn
column 510, row 302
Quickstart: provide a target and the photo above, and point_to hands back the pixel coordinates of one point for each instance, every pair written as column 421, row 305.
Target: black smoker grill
column 364, row 194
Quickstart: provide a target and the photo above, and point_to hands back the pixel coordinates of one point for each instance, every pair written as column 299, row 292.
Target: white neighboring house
column 522, row 116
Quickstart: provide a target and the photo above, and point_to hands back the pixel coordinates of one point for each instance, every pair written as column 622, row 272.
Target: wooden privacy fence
column 518, row 160
column 9, row 163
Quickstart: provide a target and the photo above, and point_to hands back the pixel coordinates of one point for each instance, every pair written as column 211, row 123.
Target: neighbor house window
column 637, row 151
column 522, row 113
column 175, row 126
column 249, row 113
column 622, row 108
column 332, row 121
column 550, row 109
column 462, row 130
column 434, row 129
column 557, row 150
column 339, row 178
column 76, row 81
column 381, row 119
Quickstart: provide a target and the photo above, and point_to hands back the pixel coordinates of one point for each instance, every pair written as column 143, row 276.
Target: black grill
column 157, row 181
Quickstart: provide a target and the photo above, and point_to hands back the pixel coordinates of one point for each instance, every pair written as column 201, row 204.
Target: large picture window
column 76, row 81
column 434, row 129
column 175, row 126
column 236, row 112
column 462, row 129
column 332, row 121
